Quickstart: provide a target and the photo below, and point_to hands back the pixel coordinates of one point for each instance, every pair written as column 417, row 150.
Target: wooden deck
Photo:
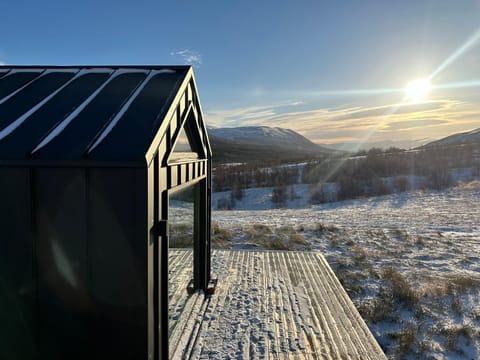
column 268, row 304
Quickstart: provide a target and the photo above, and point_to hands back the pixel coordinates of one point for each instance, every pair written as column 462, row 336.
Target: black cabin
column 89, row 156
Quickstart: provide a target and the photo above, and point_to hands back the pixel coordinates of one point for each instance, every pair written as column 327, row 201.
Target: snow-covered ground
column 261, row 198
column 410, row 261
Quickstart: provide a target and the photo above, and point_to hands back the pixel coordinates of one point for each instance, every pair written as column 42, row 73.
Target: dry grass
column 334, row 242
column 349, row 242
column 463, row 282
column 453, row 334
column 351, row 280
column 261, row 229
column 181, row 235
column 449, row 285
column 275, row 243
column 472, row 185
column 221, row 237
column 420, row 241
column 359, row 255
column 475, row 315
column 299, row 239
column 401, row 289
column 280, row 238
column 381, row 309
column 322, row 228
column 406, row 339
column 400, row 234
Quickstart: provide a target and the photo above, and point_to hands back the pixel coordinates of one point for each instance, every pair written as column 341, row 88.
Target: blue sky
column 279, row 63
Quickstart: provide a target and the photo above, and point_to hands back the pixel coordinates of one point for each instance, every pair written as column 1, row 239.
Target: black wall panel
column 17, row 280
column 83, row 256
column 61, row 257
column 118, row 260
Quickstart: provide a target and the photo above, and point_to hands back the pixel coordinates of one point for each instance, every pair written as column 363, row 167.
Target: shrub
column 238, row 193
column 298, row 239
column 319, row 194
column 401, row 183
column 359, row 255
column 440, row 178
column 293, row 195
column 406, row 339
column 274, row 243
column 382, row 308
column 224, row 204
column 400, row 287
column 279, row 195
column 378, row 187
column 453, row 333
column 349, row 188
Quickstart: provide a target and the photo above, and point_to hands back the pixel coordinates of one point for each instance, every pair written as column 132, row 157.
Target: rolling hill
column 468, row 137
column 246, row 144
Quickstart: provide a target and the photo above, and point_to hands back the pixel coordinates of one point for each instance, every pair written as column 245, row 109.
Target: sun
column 418, row 90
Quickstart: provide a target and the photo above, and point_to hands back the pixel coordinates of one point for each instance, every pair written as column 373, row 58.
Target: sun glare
column 417, row 90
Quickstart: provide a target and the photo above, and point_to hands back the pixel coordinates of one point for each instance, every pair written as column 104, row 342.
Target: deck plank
column 270, row 305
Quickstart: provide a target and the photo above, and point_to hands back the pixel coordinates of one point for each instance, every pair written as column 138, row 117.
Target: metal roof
column 92, row 113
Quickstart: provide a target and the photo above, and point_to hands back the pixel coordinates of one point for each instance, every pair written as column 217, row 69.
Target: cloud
column 392, row 108
column 410, row 124
column 244, row 116
column 377, row 123
column 189, row 57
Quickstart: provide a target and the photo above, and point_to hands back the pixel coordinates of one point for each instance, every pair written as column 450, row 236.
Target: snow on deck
column 268, row 304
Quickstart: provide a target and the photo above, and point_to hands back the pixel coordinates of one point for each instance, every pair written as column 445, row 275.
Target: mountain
column 468, row 137
column 261, row 143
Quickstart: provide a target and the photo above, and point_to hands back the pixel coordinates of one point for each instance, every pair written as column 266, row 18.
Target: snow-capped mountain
column 262, row 133
column 468, row 137
column 261, row 142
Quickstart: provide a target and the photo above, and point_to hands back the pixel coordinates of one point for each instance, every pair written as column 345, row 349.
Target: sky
column 335, row 71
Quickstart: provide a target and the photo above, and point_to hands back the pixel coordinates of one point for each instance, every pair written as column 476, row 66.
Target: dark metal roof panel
column 11, row 82
column 141, row 120
column 16, row 107
column 91, row 114
column 75, row 139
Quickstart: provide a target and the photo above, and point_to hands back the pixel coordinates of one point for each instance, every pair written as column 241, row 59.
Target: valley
column 400, row 228
column 410, row 262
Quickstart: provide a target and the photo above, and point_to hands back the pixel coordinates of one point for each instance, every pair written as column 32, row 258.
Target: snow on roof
column 18, row 90
column 10, row 128
column 34, row 107
column 125, row 107
column 58, row 129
